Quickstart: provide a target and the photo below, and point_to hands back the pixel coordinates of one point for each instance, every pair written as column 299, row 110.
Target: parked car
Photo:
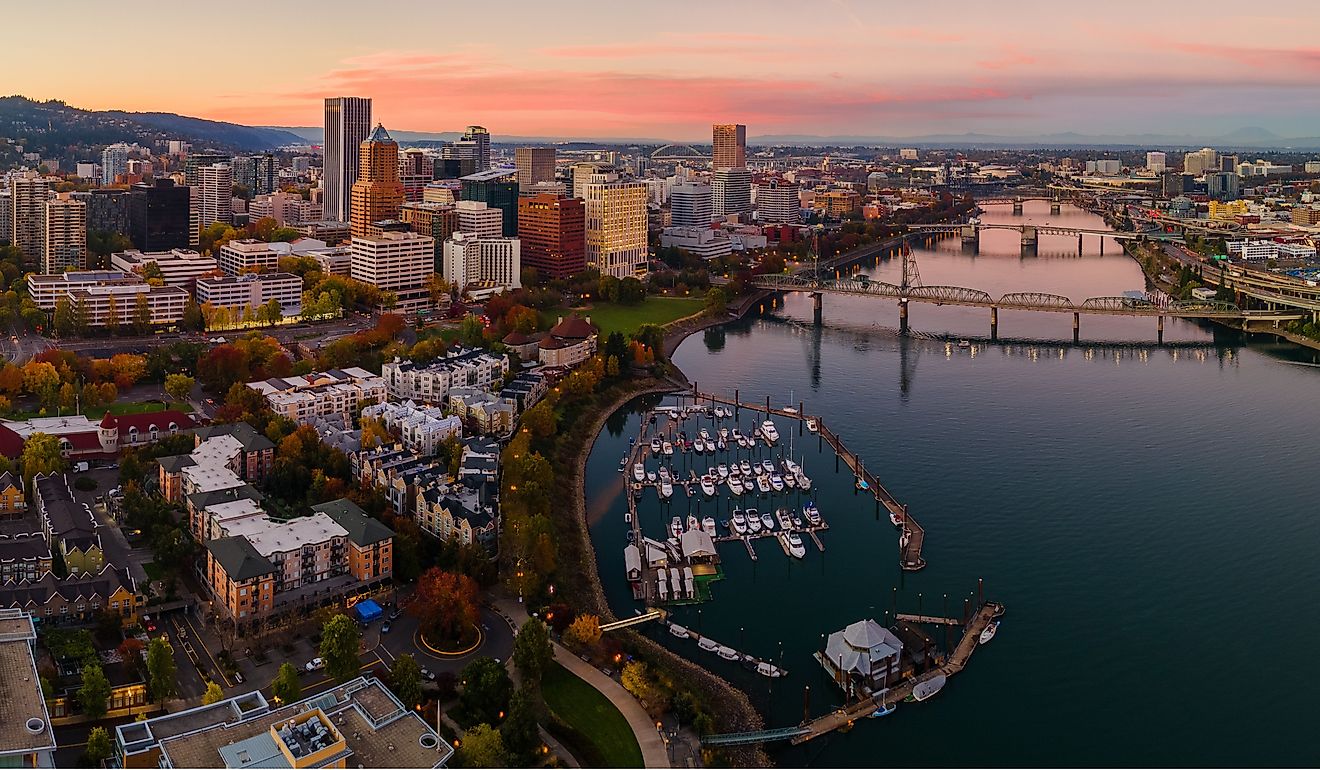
column 428, row 675
column 385, row 627
column 315, row 664
column 396, row 614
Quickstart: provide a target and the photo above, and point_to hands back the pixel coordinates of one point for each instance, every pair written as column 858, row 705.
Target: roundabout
column 438, row 651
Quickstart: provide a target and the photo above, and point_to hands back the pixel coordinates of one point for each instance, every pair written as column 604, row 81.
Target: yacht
column 812, row 425
column 770, row 432
column 790, row 481
column 708, row 526
column 667, row 448
column 812, row 513
column 724, row 434
column 663, row 473
column 781, row 516
column 650, row 476
column 666, row 490
column 705, row 435
column 708, row 485
column 692, row 523
column 989, row 632
column 768, row 522
column 737, row 437
column 639, row 472
column 675, row 527
column 763, row 484
column 803, row 482
column 964, row 344
column 655, row 446
column 767, row 466
column 797, row 521
column 753, row 521
column 928, row 688
column 776, row 482
column 738, row 523
column 746, row 467
column 698, row 444
column 736, row 485
column 791, row 468
column 722, row 470
column 721, row 445
column 795, row 546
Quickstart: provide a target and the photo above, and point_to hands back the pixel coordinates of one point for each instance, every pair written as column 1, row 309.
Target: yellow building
column 12, row 502
column 1228, row 209
column 616, row 225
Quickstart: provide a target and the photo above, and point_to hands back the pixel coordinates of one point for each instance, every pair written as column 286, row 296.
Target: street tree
column 486, row 690
column 286, row 686
column 141, row 315
column 406, row 680
column 178, row 386
column 340, row 642
column 161, row 669
column 213, row 694
column 532, row 652
column 94, row 695
column 483, row 746
column 99, row 748
column 445, row 604
column 521, row 739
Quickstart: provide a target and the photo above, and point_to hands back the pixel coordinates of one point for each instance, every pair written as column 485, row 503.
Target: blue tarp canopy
column 368, row 610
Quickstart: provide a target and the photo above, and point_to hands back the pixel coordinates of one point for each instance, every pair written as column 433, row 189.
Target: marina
column 763, row 667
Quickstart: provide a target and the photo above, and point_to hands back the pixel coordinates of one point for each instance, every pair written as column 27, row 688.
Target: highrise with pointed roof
column 377, row 193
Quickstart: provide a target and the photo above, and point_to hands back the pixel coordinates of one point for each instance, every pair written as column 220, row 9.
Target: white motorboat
column 812, row 513
column 791, row 468
column 722, row 470
column 964, row 344
column 663, row 473
column 781, row 516
column 724, row 434
column 763, row 484
column 797, row 521
column 708, row 485
column 728, row 653
column 812, row 425
column 705, row 435
column 737, row 436
column 753, row 521
column 776, row 482
column 770, row 432
column 675, row 527
column 639, row 472
column 699, row 444
column 656, row 446
column 708, row 526
column 896, row 519
column 989, row 632
column 708, row 644
column 623, row 464
column 795, row 546
column 650, row 476
column 677, row 630
column 767, row 466
column 803, row 482
column 693, row 524
column 768, row 522
column 666, row 490
column 746, row 467
column 736, row 485
column 721, row 445
column 790, row 481
column 928, row 688
column 738, row 523
column 667, row 448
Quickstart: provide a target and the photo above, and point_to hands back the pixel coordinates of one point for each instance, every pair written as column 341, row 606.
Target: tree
column 80, row 317
column 486, row 690
column 519, row 733
column 286, row 687
column 213, row 694
column 41, row 454
column 161, row 669
column 716, row 300
column 68, row 396
column 482, row 746
column 340, row 641
column 532, row 651
column 445, row 604
column 94, row 695
column 636, row 679
column 631, row 291
column 540, row 420
column 583, row 632
column 63, row 318
column 374, row 433
column 112, row 314
column 406, row 680
column 178, row 386
column 472, row 332
column 99, row 748
column 192, row 317
column 141, row 315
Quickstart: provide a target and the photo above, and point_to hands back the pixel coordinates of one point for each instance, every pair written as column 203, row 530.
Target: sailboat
column 989, row 632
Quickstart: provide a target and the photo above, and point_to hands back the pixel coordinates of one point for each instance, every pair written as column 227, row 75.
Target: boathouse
column 864, row 655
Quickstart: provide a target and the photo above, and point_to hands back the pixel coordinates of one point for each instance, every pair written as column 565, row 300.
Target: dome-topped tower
column 108, row 433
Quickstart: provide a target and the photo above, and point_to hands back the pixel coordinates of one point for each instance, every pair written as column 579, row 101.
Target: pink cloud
column 1257, row 58
column 1011, row 56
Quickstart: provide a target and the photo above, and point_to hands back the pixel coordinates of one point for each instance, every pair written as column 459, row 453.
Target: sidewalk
column 643, row 727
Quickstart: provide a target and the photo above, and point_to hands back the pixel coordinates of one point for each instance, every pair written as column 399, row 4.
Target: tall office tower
column 416, row 171
column 159, row 216
column 553, row 232
column 1228, row 163
column 496, row 189
column 114, row 161
column 377, row 193
column 458, row 159
column 215, row 195
column 582, row 173
column 777, row 201
column 107, row 211
column 66, row 234
column 1222, row 185
column 731, row 192
column 1155, row 161
column 258, row 173
column 347, row 123
column 616, row 225
column 728, row 146
column 690, row 205
column 6, row 215
column 493, row 262
column 477, row 219
column 195, row 162
column 1201, row 161
column 398, row 262
column 481, row 137
column 29, row 192
column 535, row 164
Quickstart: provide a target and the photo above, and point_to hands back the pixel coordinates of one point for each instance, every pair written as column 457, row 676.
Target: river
column 1146, row 513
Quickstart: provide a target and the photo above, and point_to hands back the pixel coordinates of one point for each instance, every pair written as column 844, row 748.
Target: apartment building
column 616, row 225
column 397, row 262
column 430, row 383
column 483, row 266
column 253, row 290
column 341, row 393
column 65, row 234
column 422, row 429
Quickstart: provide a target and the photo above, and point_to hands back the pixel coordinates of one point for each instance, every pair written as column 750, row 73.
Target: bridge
column 759, row 736
column 970, row 232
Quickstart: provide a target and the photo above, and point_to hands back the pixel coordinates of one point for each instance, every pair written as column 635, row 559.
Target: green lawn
column 592, row 718
column 117, row 408
column 154, row 571
column 627, row 318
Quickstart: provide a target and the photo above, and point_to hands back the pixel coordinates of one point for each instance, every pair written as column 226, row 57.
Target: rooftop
column 22, row 706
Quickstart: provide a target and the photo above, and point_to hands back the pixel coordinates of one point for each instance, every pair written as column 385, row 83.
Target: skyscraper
column 347, row 123
column 395, row 262
column 690, row 205
column 778, row 201
column 728, row 146
column 493, row 262
column 215, row 195
column 731, row 192
column 496, row 189
column 65, row 234
column 199, row 160
column 481, row 137
column 416, row 171
column 256, row 172
column 1201, row 161
column 29, row 192
column 616, row 225
column 114, row 161
column 159, row 216
column 1155, row 161
column 535, row 164
column 377, row 193
column 553, row 233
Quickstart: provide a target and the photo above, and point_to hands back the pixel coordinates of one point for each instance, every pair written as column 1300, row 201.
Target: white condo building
column 396, row 262
column 65, row 243
column 493, row 264
column 690, row 205
column 431, row 383
column 422, row 429
column 779, row 202
column 337, row 393
column 478, row 220
column 114, row 161
column 215, row 194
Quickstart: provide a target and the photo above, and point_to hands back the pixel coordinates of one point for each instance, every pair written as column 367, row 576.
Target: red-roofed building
column 83, row 439
column 571, row 341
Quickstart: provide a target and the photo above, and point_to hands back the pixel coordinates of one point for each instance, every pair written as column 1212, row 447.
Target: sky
column 574, row 68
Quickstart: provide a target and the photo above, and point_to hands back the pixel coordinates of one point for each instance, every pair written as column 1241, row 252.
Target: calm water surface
column 1147, row 514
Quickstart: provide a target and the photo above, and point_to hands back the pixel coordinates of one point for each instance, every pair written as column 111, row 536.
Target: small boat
column 664, row 473
column 623, row 464
column 789, row 410
column 812, row 513
column 767, row 466
column 766, row 669
column 791, row 468
column 738, row 523
column 650, row 476
column 708, row 644
column 708, row 485
column 768, row 522
column 736, row 485
column 896, row 519
column 770, row 432
column 883, row 711
column 790, row 481
column 728, row 653
column 785, row 521
column 656, row 446
column 693, row 524
column 989, row 632
column 666, row 490
column 737, row 436
column 803, row 482
column 862, row 484
column 720, row 445
column 675, row 527
column 797, row 521
column 928, row 688
column 753, row 521
column 677, row 630
column 708, row 526
column 795, row 546
column 667, row 448
column 763, row 484
column 722, row 470
column 639, row 472
column 632, row 536
column 687, row 446
column 705, row 435
column 724, row 434
column 964, row 344
column 776, row 482
column 746, row 467
column 812, row 425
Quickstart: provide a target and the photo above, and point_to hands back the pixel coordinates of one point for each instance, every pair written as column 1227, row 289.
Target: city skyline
column 953, row 68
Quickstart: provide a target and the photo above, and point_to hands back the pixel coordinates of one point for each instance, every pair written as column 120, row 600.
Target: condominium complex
column 252, row 291
column 728, row 146
column 482, row 264
column 552, row 229
column 430, row 383
column 422, row 429
column 1155, row 161
column 616, row 218
column 347, row 123
column 339, row 393
column 256, row 173
column 377, row 194
column 534, row 164
column 690, row 205
column 66, row 234
column 178, row 267
column 397, row 262
column 28, row 194
column 214, row 195
column 114, row 163
column 284, row 208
